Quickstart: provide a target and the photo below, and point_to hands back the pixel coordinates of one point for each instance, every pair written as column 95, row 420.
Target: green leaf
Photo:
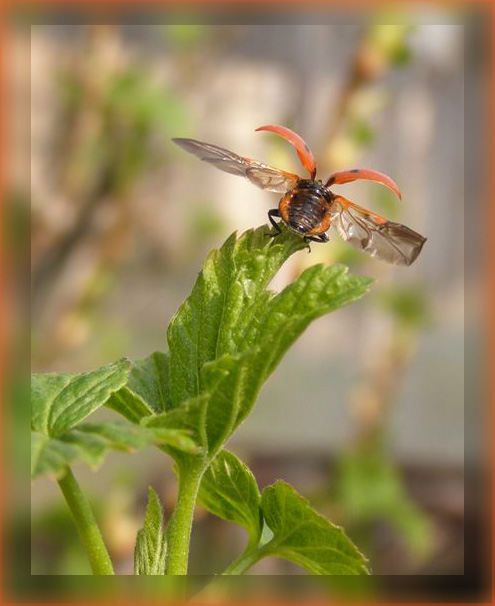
column 316, row 292
column 230, row 334
column 60, row 401
column 91, row 442
column 231, row 280
column 146, row 392
column 229, row 491
column 278, row 324
column 235, row 381
column 151, row 547
column 304, row 537
column 227, row 382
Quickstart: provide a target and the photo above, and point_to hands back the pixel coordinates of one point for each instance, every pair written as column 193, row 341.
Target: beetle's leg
column 319, row 238
column 307, row 241
column 274, row 212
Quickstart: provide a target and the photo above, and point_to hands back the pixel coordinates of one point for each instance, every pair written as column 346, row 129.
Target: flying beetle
column 308, row 206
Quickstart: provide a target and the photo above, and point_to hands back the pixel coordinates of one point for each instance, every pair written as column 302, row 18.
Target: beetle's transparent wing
column 385, row 240
column 261, row 175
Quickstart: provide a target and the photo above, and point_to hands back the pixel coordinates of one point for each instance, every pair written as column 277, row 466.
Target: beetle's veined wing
column 271, row 179
column 366, row 231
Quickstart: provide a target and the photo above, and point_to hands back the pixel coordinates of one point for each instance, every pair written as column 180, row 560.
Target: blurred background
column 365, row 415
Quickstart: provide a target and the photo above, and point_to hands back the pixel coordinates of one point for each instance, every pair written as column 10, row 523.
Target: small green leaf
column 58, row 402
column 228, row 383
column 229, row 491
column 44, row 389
column 147, row 389
column 129, row 405
column 304, row 537
column 189, row 418
column 149, row 380
column 50, row 456
column 91, row 442
column 151, row 547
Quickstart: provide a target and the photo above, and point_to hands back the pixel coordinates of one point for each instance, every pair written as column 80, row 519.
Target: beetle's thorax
column 304, row 208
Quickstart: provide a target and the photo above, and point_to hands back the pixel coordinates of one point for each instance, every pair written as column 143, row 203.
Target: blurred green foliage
column 370, row 488
column 389, row 41
column 361, row 132
column 386, row 203
column 16, row 224
column 205, row 222
column 134, row 112
column 408, row 304
column 185, row 37
column 54, row 534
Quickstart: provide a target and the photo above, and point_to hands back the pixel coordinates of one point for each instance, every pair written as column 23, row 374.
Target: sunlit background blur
column 365, row 415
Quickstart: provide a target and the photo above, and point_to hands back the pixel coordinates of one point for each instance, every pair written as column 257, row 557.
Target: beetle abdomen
column 305, row 207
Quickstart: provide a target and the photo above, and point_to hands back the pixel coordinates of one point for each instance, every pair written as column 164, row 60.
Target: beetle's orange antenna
column 347, row 176
column 305, row 154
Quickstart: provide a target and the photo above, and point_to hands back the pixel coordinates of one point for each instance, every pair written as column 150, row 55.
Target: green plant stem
column 179, row 528
column 245, row 561
column 86, row 525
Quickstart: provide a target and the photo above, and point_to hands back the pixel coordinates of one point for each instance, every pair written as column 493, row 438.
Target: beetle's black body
column 305, row 208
